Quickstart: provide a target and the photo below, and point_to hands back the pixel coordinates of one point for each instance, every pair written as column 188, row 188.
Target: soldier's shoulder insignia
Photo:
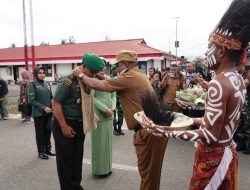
column 67, row 82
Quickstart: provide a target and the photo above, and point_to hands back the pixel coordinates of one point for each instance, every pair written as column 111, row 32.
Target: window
column 143, row 66
column 48, row 69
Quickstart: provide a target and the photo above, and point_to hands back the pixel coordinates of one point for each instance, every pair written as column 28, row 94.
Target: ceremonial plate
column 189, row 105
column 180, row 121
column 185, row 102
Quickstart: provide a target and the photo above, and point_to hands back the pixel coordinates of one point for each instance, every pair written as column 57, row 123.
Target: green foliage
column 44, row 43
column 71, row 40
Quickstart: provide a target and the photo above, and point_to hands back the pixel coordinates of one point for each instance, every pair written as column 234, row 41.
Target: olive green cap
column 93, row 62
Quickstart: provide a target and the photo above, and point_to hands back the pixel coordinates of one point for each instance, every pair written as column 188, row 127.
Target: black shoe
column 50, row 153
column 104, row 175
column 43, row 156
column 120, row 132
column 115, row 132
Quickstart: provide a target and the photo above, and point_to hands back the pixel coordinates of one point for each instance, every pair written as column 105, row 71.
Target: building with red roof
column 59, row 60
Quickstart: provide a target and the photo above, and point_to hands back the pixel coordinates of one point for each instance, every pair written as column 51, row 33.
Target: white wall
column 5, row 74
column 63, row 69
column 157, row 64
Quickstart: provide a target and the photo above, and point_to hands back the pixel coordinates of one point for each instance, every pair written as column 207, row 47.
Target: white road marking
column 15, row 116
column 116, row 166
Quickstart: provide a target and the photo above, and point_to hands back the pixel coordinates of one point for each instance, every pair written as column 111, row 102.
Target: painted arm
column 212, row 123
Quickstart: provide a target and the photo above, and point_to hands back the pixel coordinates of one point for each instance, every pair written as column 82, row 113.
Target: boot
column 43, row 156
column 115, row 132
column 50, row 153
column 120, row 130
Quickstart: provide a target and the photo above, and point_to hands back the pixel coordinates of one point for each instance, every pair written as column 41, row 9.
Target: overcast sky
column 93, row 20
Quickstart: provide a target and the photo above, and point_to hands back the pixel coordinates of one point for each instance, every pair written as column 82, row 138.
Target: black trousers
column 43, row 133
column 69, row 155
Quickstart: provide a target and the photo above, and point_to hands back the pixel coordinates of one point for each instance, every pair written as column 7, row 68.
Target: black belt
column 79, row 120
column 137, row 128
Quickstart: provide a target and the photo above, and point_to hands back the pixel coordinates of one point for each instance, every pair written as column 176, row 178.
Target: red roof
column 106, row 49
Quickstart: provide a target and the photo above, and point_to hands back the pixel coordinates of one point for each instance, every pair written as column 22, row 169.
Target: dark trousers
column 69, row 155
column 117, row 122
column 43, row 133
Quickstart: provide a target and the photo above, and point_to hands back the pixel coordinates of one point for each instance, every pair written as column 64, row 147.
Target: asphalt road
column 21, row 169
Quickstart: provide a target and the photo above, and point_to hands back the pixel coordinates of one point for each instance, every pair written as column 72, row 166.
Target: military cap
column 93, row 62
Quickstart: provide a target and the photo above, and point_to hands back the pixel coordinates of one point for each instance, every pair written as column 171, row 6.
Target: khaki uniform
column 173, row 85
column 149, row 149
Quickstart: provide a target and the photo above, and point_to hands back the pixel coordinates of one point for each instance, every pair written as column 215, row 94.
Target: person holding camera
column 172, row 82
column 40, row 96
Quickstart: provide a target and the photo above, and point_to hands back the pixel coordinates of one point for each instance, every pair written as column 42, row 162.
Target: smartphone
column 182, row 67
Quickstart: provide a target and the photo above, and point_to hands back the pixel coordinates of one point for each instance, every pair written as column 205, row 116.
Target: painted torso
column 226, row 95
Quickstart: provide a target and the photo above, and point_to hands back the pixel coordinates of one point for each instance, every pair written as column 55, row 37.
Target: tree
column 63, row 41
column 13, row 45
column 107, row 38
column 71, row 40
column 44, row 43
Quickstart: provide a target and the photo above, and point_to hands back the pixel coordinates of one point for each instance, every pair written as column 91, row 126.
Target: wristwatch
column 80, row 75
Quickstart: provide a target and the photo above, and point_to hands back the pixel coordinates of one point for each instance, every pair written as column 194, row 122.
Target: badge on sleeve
column 67, row 83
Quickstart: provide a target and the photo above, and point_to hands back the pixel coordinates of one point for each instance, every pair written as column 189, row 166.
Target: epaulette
column 67, row 82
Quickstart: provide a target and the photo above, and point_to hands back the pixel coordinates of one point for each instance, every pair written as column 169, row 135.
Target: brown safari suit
column 149, row 149
column 173, row 85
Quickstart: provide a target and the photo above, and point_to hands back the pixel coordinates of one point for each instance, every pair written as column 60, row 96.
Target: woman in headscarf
column 23, row 97
column 40, row 97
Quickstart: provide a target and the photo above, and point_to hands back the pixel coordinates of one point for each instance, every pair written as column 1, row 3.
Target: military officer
column 40, row 96
column 117, row 122
column 68, row 125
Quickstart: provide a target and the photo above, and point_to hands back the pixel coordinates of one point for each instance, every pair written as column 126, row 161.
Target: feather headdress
column 233, row 30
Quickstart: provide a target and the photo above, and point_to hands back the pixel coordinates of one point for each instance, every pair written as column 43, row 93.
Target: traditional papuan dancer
column 215, row 164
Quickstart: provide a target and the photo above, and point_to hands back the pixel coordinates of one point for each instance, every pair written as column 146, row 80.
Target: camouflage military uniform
column 118, row 117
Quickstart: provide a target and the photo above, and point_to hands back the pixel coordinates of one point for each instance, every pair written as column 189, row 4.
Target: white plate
column 180, row 122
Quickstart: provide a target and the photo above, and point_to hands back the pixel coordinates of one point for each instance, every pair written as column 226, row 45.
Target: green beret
column 93, row 62
column 113, row 67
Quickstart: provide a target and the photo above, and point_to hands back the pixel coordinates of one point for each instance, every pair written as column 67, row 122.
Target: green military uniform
column 69, row 150
column 101, row 138
column 117, row 122
column 40, row 96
